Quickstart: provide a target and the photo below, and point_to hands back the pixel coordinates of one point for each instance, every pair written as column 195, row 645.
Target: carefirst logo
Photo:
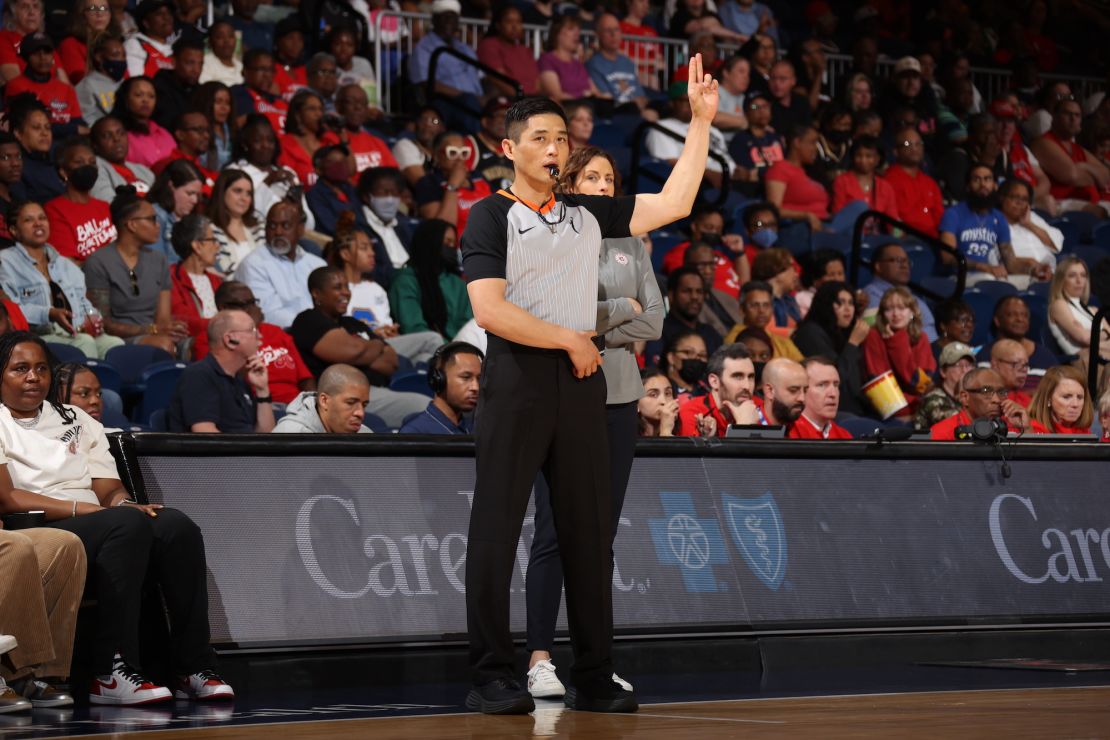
column 695, row 544
column 1062, row 565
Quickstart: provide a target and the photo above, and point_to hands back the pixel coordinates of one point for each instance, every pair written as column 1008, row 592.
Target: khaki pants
column 42, row 577
column 94, row 347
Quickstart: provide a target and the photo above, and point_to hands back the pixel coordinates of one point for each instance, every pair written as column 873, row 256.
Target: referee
column 531, row 262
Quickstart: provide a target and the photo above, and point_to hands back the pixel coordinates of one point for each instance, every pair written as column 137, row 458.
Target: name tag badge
column 621, row 258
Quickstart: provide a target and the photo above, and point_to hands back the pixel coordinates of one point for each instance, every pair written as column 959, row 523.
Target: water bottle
column 94, row 321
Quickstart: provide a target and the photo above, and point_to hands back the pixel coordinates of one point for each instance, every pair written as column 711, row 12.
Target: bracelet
column 153, row 329
column 126, row 501
column 74, row 512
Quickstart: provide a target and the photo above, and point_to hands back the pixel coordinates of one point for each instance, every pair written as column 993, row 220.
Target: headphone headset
column 437, row 379
column 233, row 342
column 989, row 431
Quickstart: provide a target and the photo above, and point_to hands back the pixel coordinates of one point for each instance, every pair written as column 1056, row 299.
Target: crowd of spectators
column 233, row 194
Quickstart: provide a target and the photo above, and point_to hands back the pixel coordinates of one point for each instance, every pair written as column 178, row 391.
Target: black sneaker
column 606, row 697
column 500, row 696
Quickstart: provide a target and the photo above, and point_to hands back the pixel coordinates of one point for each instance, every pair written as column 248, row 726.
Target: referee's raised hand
column 702, row 91
column 584, row 354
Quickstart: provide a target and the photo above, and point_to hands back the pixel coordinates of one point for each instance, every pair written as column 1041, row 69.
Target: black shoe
column 500, row 696
column 607, row 697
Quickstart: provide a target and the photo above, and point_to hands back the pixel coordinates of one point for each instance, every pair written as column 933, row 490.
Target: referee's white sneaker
column 8, row 643
column 543, row 683
column 622, row 683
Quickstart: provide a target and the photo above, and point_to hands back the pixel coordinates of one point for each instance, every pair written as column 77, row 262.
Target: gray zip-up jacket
column 625, row 271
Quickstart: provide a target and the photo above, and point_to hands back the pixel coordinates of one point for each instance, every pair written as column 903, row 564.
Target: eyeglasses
column 1000, row 393
column 457, row 152
column 134, row 282
column 692, row 354
column 912, row 145
column 1016, row 364
column 253, row 330
column 964, row 320
column 97, row 9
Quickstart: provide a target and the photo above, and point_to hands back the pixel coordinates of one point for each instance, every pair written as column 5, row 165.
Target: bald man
column 784, row 391
column 338, row 406
column 1010, row 360
column 983, row 394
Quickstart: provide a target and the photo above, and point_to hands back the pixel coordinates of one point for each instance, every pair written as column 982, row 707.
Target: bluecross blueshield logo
column 693, row 543
column 756, row 528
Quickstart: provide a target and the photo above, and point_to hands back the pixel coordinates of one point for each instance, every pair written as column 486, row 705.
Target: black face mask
column 692, row 371
column 839, row 138
column 451, row 257
column 759, row 373
column 712, row 238
column 83, row 178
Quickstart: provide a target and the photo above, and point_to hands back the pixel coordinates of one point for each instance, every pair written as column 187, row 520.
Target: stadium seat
column 661, row 243
column 376, row 424
column 132, row 359
column 828, row 240
column 982, row 305
column 409, row 418
column 1038, row 316
column 1039, row 288
column 66, row 353
column 158, row 381
column 795, row 236
column 1070, row 229
column 158, row 421
column 994, row 288
column 1100, row 236
column 414, row 382
column 1079, row 223
column 942, row 286
column 922, row 262
column 107, row 374
column 608, row 136
column 114, row 419
column 859, row 426
column 1089, row 253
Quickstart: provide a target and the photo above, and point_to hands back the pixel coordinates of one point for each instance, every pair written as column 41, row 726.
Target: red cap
column 1003, row 108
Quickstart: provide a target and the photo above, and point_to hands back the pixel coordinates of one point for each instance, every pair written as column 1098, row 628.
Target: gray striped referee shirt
column 550, row 259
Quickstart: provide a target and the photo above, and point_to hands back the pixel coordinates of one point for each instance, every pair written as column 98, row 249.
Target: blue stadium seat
column 994, row 288
column 982, row 305
column 66, row 353
column 923, row 260
column 404, row 365
column 653, row 173
column 662, row 242
column 1100, row 235
column 1040, row 288
column 414, row 382
column 107, row 374
column 1089, row 253
column 609, row 136
column 409, row 418
column 942, row 286
column 132, row 359
column 158, row 421
column 1038, row 316
column 1070, row 229
column 796, row 237
column 114, row 419
column 158, row 381
column 376, row 424
column 1081, row 225
column 859, row 426
column 828, row 240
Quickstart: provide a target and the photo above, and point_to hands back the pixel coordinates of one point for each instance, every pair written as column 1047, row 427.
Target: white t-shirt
column 408, row 154
column 54, row 458
column 369, row 303
column 398, row 255
column 216, row 71
column 661, row 146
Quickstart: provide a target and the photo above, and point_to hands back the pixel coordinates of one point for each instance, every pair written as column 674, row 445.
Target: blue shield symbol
column 757, row 530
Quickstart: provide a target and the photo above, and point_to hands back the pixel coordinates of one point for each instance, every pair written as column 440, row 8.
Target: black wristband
column 264, row 399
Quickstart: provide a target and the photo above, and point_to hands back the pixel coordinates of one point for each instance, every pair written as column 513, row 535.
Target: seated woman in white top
column 234, row 223
column 352, row 252
column 1069, row 315
column 54, row 458
column 1030, row 235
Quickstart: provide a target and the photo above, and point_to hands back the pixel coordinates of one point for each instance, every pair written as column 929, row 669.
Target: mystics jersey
column 547, row 255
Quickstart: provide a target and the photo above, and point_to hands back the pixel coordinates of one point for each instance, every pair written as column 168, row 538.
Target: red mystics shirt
column 283, row 361
column 125, row 172
column 58, row 97
column 804, row 428
column 289, row 80
column 368, row 151
column 79, row 229
column 294, row 156
column 209, row 175
column 156, row 61
column 1038, row 428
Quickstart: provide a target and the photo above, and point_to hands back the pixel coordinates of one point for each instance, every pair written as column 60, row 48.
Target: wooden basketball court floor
column 1011, row 713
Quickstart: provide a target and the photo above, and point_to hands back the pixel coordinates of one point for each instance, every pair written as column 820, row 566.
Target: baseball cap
column 678, row 90
column 446, row 6
column 495, row 105
column 907, row 65
column 953, row 352
column 1001, row 108
column 289, row 24
column 33, row 42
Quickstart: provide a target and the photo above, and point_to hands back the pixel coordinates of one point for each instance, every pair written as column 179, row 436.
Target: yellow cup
column 885, row 395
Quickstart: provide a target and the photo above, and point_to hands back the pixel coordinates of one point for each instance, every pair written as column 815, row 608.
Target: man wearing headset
column 454, row 373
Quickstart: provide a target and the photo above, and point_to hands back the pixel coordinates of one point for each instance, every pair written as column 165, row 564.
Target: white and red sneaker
column 125, row 686
column 204, row 685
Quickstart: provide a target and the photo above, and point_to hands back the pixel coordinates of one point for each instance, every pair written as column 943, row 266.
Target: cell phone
column 599, row 342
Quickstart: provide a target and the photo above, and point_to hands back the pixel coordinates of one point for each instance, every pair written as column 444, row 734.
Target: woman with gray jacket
column 629, row 310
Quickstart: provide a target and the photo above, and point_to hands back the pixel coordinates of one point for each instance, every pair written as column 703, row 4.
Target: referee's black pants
column 124, row 547
column 544, row 580
column 534, row 415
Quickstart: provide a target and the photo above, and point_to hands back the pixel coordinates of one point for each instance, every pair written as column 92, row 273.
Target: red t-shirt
column 369, row 151
column 945, row 431
column 75, row 59
column 289, row 80
column 1038, row 428
column 724, row 278
column 296, row 158
column 9, row 52
column 79, row 229
column 58, row 97
column 846, row 189
column 283, row 361
column 804, row 428
column 644, row 53
column 1076, row 154
column 918, row 197
column 691, row 408
column 468, row 198
column 1022, row 398
column 515, row 59
column 803, row 193
column 16, row 317
column 209, row 175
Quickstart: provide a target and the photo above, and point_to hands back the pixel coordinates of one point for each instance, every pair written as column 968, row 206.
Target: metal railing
column 430, row 92
column 671, row 54
column 938, row 247
column 635, row 169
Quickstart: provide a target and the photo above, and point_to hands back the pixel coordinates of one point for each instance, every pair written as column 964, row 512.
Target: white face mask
column 385, row 206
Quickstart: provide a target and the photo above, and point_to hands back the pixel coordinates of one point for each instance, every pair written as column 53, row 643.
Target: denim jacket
column 24, row 284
